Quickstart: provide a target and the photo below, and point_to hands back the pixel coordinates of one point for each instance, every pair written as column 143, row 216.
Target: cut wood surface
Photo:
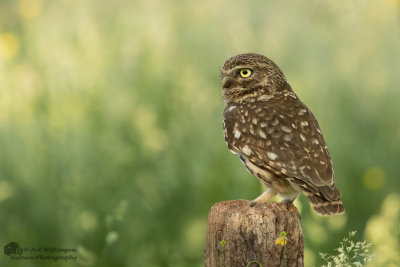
column 250, row 233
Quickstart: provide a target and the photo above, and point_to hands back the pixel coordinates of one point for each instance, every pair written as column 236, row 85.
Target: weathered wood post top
column 238, row 234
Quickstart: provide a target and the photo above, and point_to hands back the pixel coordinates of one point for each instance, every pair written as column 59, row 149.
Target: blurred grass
column 110, row 120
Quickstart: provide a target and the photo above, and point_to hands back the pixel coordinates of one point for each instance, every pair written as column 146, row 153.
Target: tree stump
column 249, row 234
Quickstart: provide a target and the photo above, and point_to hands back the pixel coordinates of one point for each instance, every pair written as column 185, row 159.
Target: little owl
column 275, row 135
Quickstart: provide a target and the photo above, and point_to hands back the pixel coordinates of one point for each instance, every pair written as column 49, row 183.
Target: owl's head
column 247, row 76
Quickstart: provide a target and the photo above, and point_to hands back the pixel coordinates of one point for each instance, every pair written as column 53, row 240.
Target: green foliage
column 111, row 119
column 257, row 262
column 349, row 254
column 222, row 253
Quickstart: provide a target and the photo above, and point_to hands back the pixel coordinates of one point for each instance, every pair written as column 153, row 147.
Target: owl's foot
column 287, row 201
column 263, row 198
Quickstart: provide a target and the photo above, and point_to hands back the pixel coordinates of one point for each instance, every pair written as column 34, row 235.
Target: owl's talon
column 252, row 203
column 287, row 201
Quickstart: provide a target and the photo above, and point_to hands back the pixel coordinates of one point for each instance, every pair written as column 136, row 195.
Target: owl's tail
column 325, row 207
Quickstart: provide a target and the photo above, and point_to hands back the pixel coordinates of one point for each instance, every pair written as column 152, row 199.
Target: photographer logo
column 12, row 248
column 19, row 253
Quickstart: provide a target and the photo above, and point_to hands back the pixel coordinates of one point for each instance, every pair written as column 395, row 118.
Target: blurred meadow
column 111, row 136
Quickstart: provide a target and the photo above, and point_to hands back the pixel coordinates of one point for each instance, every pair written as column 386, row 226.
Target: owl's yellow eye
column 245, row 73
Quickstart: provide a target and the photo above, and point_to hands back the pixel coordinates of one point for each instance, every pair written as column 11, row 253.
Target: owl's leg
column 264, row 197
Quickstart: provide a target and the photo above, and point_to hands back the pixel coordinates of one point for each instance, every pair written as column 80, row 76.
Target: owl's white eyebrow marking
column 303, row 137
column 272, row 156
column 286, row 129
column 304, row 123
column 246, row 150
column 262, row 134
column 231, row 108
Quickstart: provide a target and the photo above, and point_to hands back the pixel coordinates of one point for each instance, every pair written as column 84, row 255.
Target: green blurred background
column 111, row 135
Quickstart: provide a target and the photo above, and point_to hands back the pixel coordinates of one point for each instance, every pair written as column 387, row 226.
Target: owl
column 275, row 135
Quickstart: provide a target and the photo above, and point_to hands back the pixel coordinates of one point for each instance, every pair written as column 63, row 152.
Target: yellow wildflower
column 282, row 239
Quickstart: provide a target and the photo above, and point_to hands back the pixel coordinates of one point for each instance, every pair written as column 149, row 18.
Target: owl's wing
column 284, row 135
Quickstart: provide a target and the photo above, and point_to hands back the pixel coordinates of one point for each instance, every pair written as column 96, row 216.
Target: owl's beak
column 226, row 82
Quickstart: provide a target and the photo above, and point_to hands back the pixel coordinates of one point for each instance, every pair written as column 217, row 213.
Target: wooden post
column 249, row 234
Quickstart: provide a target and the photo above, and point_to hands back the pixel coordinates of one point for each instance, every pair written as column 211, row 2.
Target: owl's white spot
column 316, row 155
column 265, row 97
column 290, row 94
column 246, row 150
column 236, row 132
column 275, row 122
column 251, row 131
column 294, row 126
column 231, row 108
column 307, row 150
column 268, row 143
column 286, row 129
column 282, row 116
column 303, row 137
column 302, row 112
column 301, row 168
column 322, row 162
column 318, row 130
column 304, row 123
column 287, row 137
column 254, row 120
column 246, row 112
column 315, row 141
column 262, row 134
column 272, row 156
column 263, row 124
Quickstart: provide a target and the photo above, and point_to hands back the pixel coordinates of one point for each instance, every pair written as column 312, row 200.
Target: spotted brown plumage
column 275, row 135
